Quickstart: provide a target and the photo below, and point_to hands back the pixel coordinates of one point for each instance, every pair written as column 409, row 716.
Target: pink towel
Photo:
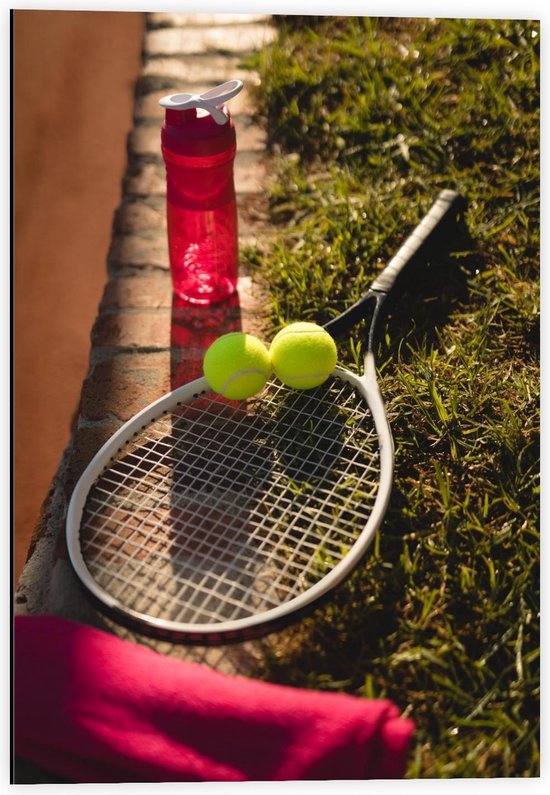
column 96, row 709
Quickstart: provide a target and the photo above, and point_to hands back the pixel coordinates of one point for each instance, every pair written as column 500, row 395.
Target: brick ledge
column 143, row 342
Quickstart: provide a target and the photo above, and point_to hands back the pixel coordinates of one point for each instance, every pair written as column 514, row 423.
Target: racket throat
column 369, row 383
column 379, row 298
column 369, row 374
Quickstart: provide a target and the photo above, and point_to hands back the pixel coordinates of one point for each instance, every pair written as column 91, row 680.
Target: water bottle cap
column 211, row 100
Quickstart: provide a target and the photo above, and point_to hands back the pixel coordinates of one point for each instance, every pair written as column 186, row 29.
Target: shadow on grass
column 429, row 294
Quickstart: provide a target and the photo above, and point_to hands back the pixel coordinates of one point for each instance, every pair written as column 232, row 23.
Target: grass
column 367, row 119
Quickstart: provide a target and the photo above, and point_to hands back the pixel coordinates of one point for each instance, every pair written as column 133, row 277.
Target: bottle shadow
column 193, row 329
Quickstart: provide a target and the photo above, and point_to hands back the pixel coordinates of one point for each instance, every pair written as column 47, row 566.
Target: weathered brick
column 147, row 106
column 238, row 38
column 253, row 211
column 88, row 438
column 143, row 290
column 250, row 176
column 124, row 384
column 254, row 307
column 144, row 140
column 137, row 251
column 250, row 137
column 168, row 19
column 133, row 329
column 144, row 179
column 144, row 218
column 200, row 68
column 252, row 299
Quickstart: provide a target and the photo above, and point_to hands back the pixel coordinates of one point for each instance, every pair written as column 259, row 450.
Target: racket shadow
column 243, row 516
column 252, row 504
column 218, row 549
column 189, row 555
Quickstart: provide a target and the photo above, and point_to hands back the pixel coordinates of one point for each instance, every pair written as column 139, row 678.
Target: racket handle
column 425, row 238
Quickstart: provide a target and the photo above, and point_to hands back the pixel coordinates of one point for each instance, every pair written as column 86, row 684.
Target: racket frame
column 276, row 617
column 424, row 237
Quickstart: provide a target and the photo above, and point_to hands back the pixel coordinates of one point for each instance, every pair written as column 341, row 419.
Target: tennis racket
column 204, row 520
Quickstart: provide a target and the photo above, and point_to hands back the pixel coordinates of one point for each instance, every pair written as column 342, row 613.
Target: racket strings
column 217, row 511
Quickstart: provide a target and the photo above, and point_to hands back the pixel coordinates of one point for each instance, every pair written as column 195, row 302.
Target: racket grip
column 425, row 239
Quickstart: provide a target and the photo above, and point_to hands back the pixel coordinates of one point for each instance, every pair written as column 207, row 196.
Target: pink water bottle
column 198, row 145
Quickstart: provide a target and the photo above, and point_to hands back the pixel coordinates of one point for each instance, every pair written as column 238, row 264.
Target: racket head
column 221, row 556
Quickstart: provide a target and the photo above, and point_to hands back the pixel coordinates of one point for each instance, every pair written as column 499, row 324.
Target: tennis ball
column 237, row 365
column 303, row 355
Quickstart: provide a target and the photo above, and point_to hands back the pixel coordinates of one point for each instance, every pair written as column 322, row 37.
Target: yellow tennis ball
column 237, row 365
column 303, row 355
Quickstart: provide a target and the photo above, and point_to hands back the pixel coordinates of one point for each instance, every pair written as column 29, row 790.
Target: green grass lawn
column 367, row 119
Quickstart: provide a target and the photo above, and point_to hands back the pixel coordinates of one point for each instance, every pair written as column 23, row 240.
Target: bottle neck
column 194, row 133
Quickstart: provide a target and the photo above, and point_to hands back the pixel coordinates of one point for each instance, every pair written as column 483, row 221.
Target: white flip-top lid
column 211, row 100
